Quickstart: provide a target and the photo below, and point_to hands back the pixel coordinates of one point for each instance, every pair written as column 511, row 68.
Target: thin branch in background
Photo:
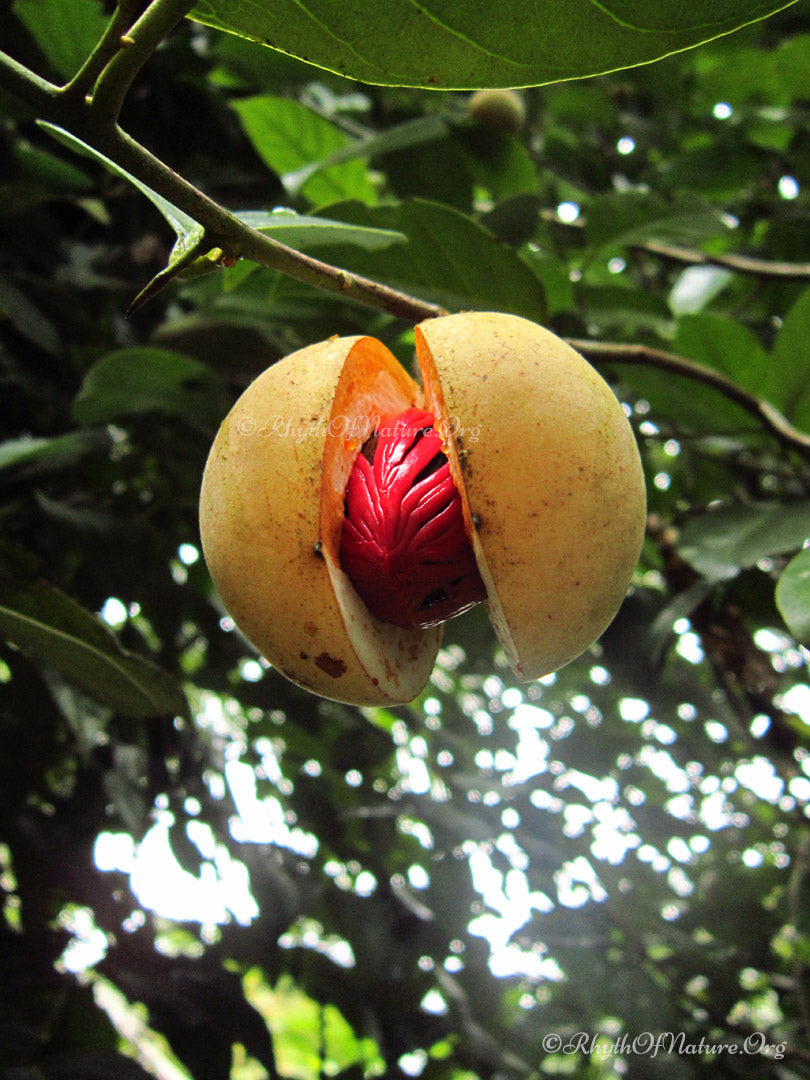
column 771, row 419
column 742, row 264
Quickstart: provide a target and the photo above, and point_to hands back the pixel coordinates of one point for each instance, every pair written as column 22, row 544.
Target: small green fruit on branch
column 499, row 110
column 526, row 485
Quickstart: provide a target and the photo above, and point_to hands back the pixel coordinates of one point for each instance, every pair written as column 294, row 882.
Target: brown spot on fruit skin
column 332, row 665
column 310, row 628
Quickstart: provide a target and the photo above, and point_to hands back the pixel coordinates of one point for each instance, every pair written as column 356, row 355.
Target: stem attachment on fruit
column 403, row 542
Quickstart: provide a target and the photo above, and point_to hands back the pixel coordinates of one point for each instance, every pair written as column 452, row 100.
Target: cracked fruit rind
column 271, row 508
column 549, row 471
column 544, row 460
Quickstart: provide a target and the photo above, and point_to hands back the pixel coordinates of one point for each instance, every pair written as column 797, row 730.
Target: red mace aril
column 403, row 542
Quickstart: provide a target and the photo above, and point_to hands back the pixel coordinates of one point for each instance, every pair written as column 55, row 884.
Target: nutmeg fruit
column 345, row 509
column 498, row 110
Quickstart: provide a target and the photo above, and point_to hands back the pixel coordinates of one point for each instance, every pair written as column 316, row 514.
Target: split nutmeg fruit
column 346, row 512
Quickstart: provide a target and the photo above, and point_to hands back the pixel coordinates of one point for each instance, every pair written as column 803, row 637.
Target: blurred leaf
column 689, row 406
column 715, row 170
column 404, row 136
column 696, row 287
column 142, row 380
column 789, row 384
column 40, row 166
column 288, row 136
column 65, row 35
column 792, row 63
column 612, row 309
column 514, row 220
column 500, row 163
column 720, row 543
column 48, row 454
column 27, row 318
column 793, row 595
column 449, row 258
column 445, row 46
column 631, row 217
column 52, row 627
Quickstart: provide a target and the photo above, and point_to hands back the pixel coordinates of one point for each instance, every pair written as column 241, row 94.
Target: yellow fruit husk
column 270, row 519
column 550, row 477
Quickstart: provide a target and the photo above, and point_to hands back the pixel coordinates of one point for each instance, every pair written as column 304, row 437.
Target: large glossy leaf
column 289, row 137
column 54, row 629
column 444, row 44
column 449, row 259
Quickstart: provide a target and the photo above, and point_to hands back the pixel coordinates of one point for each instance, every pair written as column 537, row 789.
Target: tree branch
column 770, row 418
column 742, row 264
column 134, row 49
column 99, row 131
column 83, row 81
column 239, row 240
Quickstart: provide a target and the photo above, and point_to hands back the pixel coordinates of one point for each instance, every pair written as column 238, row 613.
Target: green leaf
column 792, row 63
column 789, row 384
column 189, row 233
column 631, row 217
column 48, row 454
column 720, row 543
column 66, row 33
column 726, row 346
column 142, row 380
column 28, row 318
column 447, row 44
column 301, row 231
column 716, row 170
column 449, row 259
column 42, row 167
column 613, row 309
column 190, row 244
column 53, row 628
column 793, row 595
column 405, row 136
column 288, row 136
